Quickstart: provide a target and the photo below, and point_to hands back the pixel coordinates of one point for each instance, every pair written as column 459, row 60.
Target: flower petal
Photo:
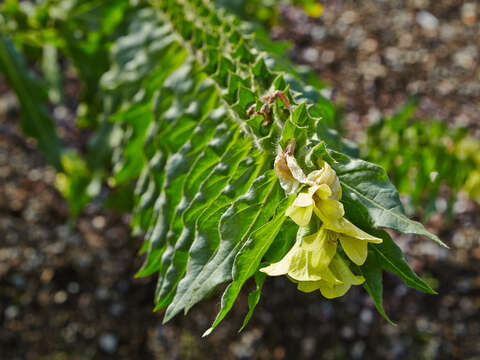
column 330, row 211
column 289, row 186
column 344, row 226
column 355, row 249
column 281, row 267
column 341, row 270
column 330, row 291
column 301, row 268
column 308, row 286
column 323, row 245
column 303, row 200
column 301, row 215
column 295, row 169
column 323, row 191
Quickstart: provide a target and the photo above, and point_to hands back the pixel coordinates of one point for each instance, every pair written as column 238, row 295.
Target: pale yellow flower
column 308, row 259
column 330, row 290
column 353, row 240
column 313, row 262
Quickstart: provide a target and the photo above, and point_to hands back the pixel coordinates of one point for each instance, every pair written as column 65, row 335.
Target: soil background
column 68, row 291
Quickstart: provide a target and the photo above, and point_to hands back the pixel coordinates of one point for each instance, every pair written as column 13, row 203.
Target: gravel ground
column 68, row 292
column 377, row 53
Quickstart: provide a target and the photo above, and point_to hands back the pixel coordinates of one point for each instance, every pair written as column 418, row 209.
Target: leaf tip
column 208, row 332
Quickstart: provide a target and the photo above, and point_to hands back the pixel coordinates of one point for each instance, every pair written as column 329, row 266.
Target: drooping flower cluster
column 313, row 262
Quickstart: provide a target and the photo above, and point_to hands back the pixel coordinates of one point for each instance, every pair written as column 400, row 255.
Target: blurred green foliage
column 76, row 182
column 81, row 30
column 267, row 12
column 32, row 96
column 423, row 156
column 73, row 38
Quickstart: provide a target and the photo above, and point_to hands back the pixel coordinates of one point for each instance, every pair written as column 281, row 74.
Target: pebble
column 318, row 33
column 108, row 342
column 466, row 57
column 73, row 287
column 60, row 297
column 366, row 315
column 18, row 281
column 11, row 312
column 117, row 309
column 102, row 293
column 448, row 32
column 309, row 345
column 99, row 222
column 347, row 332
column 427, row 21
column 469, row 13
column 328, row 56
column 355, row 37
column 311, row 55
column 358, row 349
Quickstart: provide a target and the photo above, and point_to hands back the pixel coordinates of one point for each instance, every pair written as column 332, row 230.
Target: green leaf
column 254, row 297
column 372, row 272
column 32, row 97
column 241, row 218
column 388, row 255
column 249, row 257
column 391, row 258
column 368, row 184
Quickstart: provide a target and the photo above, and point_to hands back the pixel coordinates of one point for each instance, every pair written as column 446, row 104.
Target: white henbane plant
column 237, row 172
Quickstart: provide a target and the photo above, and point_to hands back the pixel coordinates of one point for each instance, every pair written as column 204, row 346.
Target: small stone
column 446, row 87
column 347, row 332
column 405, row 40
column 328, row 57
column 422, row 324
column 467, row 306
column 465, row 58
column 370, row 45
column 374, row 115
column 420, row 4
column 448, row 32
column 18, row 281
column 47, row 275
column 427, row 21
column 308, row 346
column 476, row 255
column 372, row 70
column 327, row 93
column 441, row 205
column 464, row 285
column 366, row 315
column 60, row 297
column 469, row 13
column 279, row 353
column 117, row 309
column 348, row 17
column 73, row 287
column 355, row 37
column 108, row 343
column 61, row 112
column 311, row 55
column 102, row 293
column 11, row 312
column 99, row 222
column 318, row 33
column 55, row 248
column 358, row 349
